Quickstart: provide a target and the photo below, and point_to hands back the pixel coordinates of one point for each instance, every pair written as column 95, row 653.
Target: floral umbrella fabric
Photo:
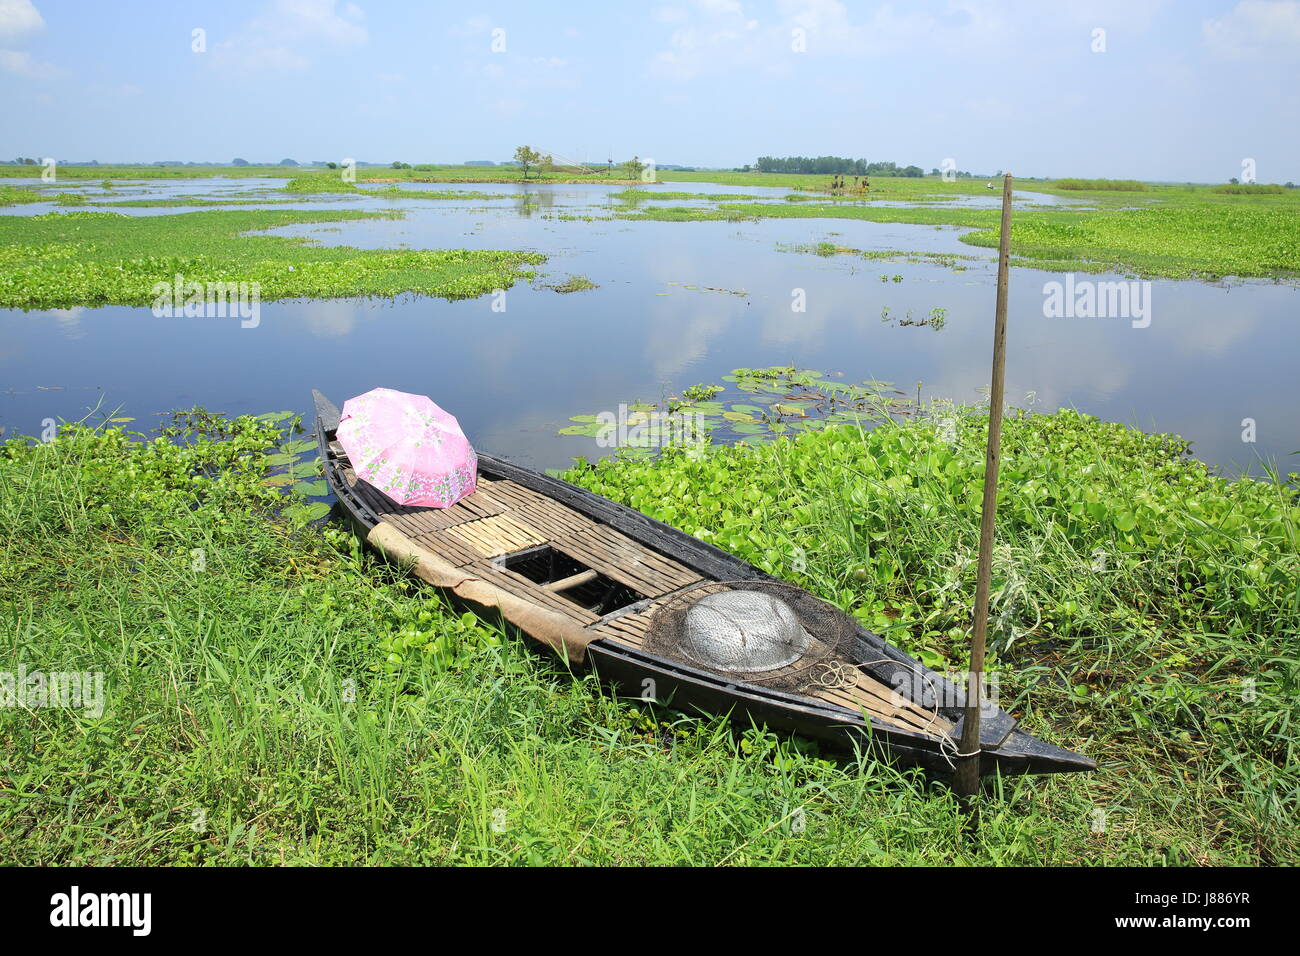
column 408, row 448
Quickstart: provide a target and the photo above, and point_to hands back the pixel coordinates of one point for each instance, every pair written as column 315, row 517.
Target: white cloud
column 290, row 32
column 472, row 27
column 20, row 63
column 1254, row 29
column 320, row 18
column 19, row 17
column 717, row 36
column 713, row 36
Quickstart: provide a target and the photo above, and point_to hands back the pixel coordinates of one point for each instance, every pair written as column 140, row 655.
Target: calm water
column 1212, row 356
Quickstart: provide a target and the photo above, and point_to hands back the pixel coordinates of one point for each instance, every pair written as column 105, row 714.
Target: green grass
column 1105, row 185
column 1144, row 611
column 1199, row 234
column 105, row 258
column 320, row 183
column 291, row 701
column 1250, row 189
column 1200, row 240
column 1174, row 231
column 12, row 195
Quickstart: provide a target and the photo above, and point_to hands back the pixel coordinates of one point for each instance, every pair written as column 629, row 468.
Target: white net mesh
column 743, row 632
column 759, row 632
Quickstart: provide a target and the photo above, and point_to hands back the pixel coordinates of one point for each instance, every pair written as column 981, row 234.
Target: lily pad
column 590, row 429
column 301, row 514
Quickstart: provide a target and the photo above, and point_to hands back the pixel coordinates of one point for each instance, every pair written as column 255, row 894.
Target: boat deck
column 503, row 518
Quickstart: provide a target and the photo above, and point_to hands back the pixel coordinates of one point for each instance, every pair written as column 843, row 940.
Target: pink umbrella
column 408, row 448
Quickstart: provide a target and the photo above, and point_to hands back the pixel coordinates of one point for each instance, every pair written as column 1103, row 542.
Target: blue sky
column 1182, row 90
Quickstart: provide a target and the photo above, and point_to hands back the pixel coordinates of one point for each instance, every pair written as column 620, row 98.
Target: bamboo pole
column 967, row 777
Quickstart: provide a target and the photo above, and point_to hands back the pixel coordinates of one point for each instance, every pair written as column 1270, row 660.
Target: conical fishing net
column 758, row 632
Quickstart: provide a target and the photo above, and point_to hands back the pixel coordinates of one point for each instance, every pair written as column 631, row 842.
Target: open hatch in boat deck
column 547, row 553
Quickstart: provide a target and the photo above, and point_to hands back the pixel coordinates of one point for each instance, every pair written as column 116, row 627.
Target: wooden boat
column 586, row 575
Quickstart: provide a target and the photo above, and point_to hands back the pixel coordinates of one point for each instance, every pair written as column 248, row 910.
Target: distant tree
column 1233, row 180
column 332, row 165
column 288, row 162
column 238, row 162
column 527, row 157
column 546, row 164
column 397, row 165
column 634, row 167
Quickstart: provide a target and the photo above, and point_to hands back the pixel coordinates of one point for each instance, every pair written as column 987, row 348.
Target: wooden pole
column 967, row 778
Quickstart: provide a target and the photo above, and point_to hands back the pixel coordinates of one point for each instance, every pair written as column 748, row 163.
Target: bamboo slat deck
column 503, row 517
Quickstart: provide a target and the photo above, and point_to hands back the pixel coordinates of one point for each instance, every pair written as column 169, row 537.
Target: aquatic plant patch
column 571, row 284
column 12, row 195
column 765, row 403
column 1144, row 609
column 59, row 260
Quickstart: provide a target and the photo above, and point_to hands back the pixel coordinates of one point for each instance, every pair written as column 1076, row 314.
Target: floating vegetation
column 706, row 288
column 936, row 319
column 701, row 393
column 397, row 192
column 571, row 284
column 320, row 183
column 11, row 195
column 286, row 461
column 59, row 260
column 646, row 195
column 772, row 402
column 826, row 250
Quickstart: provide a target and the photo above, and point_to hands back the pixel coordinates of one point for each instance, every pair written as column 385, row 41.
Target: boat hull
column 635, row 673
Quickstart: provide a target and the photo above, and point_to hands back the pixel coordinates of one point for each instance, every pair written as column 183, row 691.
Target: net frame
column 828, row 660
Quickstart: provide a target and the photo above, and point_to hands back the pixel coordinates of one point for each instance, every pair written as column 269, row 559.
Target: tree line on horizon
column 838, row 165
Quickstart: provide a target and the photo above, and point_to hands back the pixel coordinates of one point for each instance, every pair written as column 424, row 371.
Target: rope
column 945, row 740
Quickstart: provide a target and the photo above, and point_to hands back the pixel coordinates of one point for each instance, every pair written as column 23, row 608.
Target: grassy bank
column 1203, row 232
column 1144, row 611
column 287, row 700
column 103, row 258
column 1190, row 238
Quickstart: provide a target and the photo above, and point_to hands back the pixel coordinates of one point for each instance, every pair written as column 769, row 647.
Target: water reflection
column 1213, row 355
